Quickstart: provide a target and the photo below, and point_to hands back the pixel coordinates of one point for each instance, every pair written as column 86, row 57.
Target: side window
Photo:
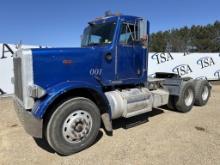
column 128, row 33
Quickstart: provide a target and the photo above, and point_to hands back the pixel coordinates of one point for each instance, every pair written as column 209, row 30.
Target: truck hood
column 57, row 65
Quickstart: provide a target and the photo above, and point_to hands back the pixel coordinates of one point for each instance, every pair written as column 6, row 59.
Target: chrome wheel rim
column 77, row 126
column 205, row 93
column 189, row 97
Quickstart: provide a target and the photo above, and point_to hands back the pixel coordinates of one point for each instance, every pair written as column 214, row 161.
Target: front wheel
column 73, row 126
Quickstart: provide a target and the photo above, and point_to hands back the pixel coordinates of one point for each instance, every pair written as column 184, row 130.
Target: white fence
column 195, row 65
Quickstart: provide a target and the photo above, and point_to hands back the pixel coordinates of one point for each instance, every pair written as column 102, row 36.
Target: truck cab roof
column 104, row 19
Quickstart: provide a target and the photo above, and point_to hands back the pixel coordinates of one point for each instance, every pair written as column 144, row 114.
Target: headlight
column 36, row 91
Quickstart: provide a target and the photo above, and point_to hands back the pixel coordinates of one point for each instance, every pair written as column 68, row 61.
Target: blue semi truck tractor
column 64, row 94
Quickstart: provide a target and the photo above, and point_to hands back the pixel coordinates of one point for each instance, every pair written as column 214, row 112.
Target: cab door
column 129, row 54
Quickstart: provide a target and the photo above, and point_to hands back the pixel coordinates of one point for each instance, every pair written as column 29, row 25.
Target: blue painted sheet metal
column 59, row 89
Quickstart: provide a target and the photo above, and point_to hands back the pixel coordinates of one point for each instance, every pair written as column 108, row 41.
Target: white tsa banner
column 6, row 66
column 195, row 65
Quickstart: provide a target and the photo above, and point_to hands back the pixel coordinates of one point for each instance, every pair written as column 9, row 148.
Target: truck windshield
column 98, row 34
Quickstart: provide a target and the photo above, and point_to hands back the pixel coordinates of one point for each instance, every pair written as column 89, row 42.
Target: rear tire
column 202, row 92
column 185, row 101
column 73, row 126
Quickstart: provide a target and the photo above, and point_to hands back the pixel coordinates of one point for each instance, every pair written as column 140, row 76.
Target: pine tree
column 194, row 39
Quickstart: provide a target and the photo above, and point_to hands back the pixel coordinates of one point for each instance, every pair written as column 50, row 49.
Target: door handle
column 108, row 56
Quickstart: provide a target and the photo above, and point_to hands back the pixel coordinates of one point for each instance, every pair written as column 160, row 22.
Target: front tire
column 73, row 126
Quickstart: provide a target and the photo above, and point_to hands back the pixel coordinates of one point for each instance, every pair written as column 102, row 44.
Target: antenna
column 18, row 46
column 108, row 13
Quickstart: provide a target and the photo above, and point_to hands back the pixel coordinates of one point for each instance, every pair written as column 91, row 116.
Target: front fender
column 53, row 92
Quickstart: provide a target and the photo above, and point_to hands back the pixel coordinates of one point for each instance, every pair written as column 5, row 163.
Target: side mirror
column 143, row 32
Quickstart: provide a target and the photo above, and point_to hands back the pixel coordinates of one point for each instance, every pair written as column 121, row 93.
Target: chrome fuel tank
column 130, row 102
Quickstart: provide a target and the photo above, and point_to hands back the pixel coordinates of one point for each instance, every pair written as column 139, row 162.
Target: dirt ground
column 167, row 138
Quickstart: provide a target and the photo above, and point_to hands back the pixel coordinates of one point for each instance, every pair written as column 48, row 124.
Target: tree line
column 197, row 38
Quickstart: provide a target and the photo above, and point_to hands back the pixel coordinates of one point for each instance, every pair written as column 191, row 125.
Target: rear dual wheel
column 202, row 92
column 192, row 92
column 185, row 101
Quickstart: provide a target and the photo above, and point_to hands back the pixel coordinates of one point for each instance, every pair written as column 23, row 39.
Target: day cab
column 64, row 94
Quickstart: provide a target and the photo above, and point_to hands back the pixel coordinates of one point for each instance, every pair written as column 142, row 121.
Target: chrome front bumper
column 32, row 125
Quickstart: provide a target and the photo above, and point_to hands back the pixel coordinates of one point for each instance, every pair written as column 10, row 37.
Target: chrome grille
column 18, row 87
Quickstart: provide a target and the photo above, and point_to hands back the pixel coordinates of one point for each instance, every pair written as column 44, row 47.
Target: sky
column 59, row 23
